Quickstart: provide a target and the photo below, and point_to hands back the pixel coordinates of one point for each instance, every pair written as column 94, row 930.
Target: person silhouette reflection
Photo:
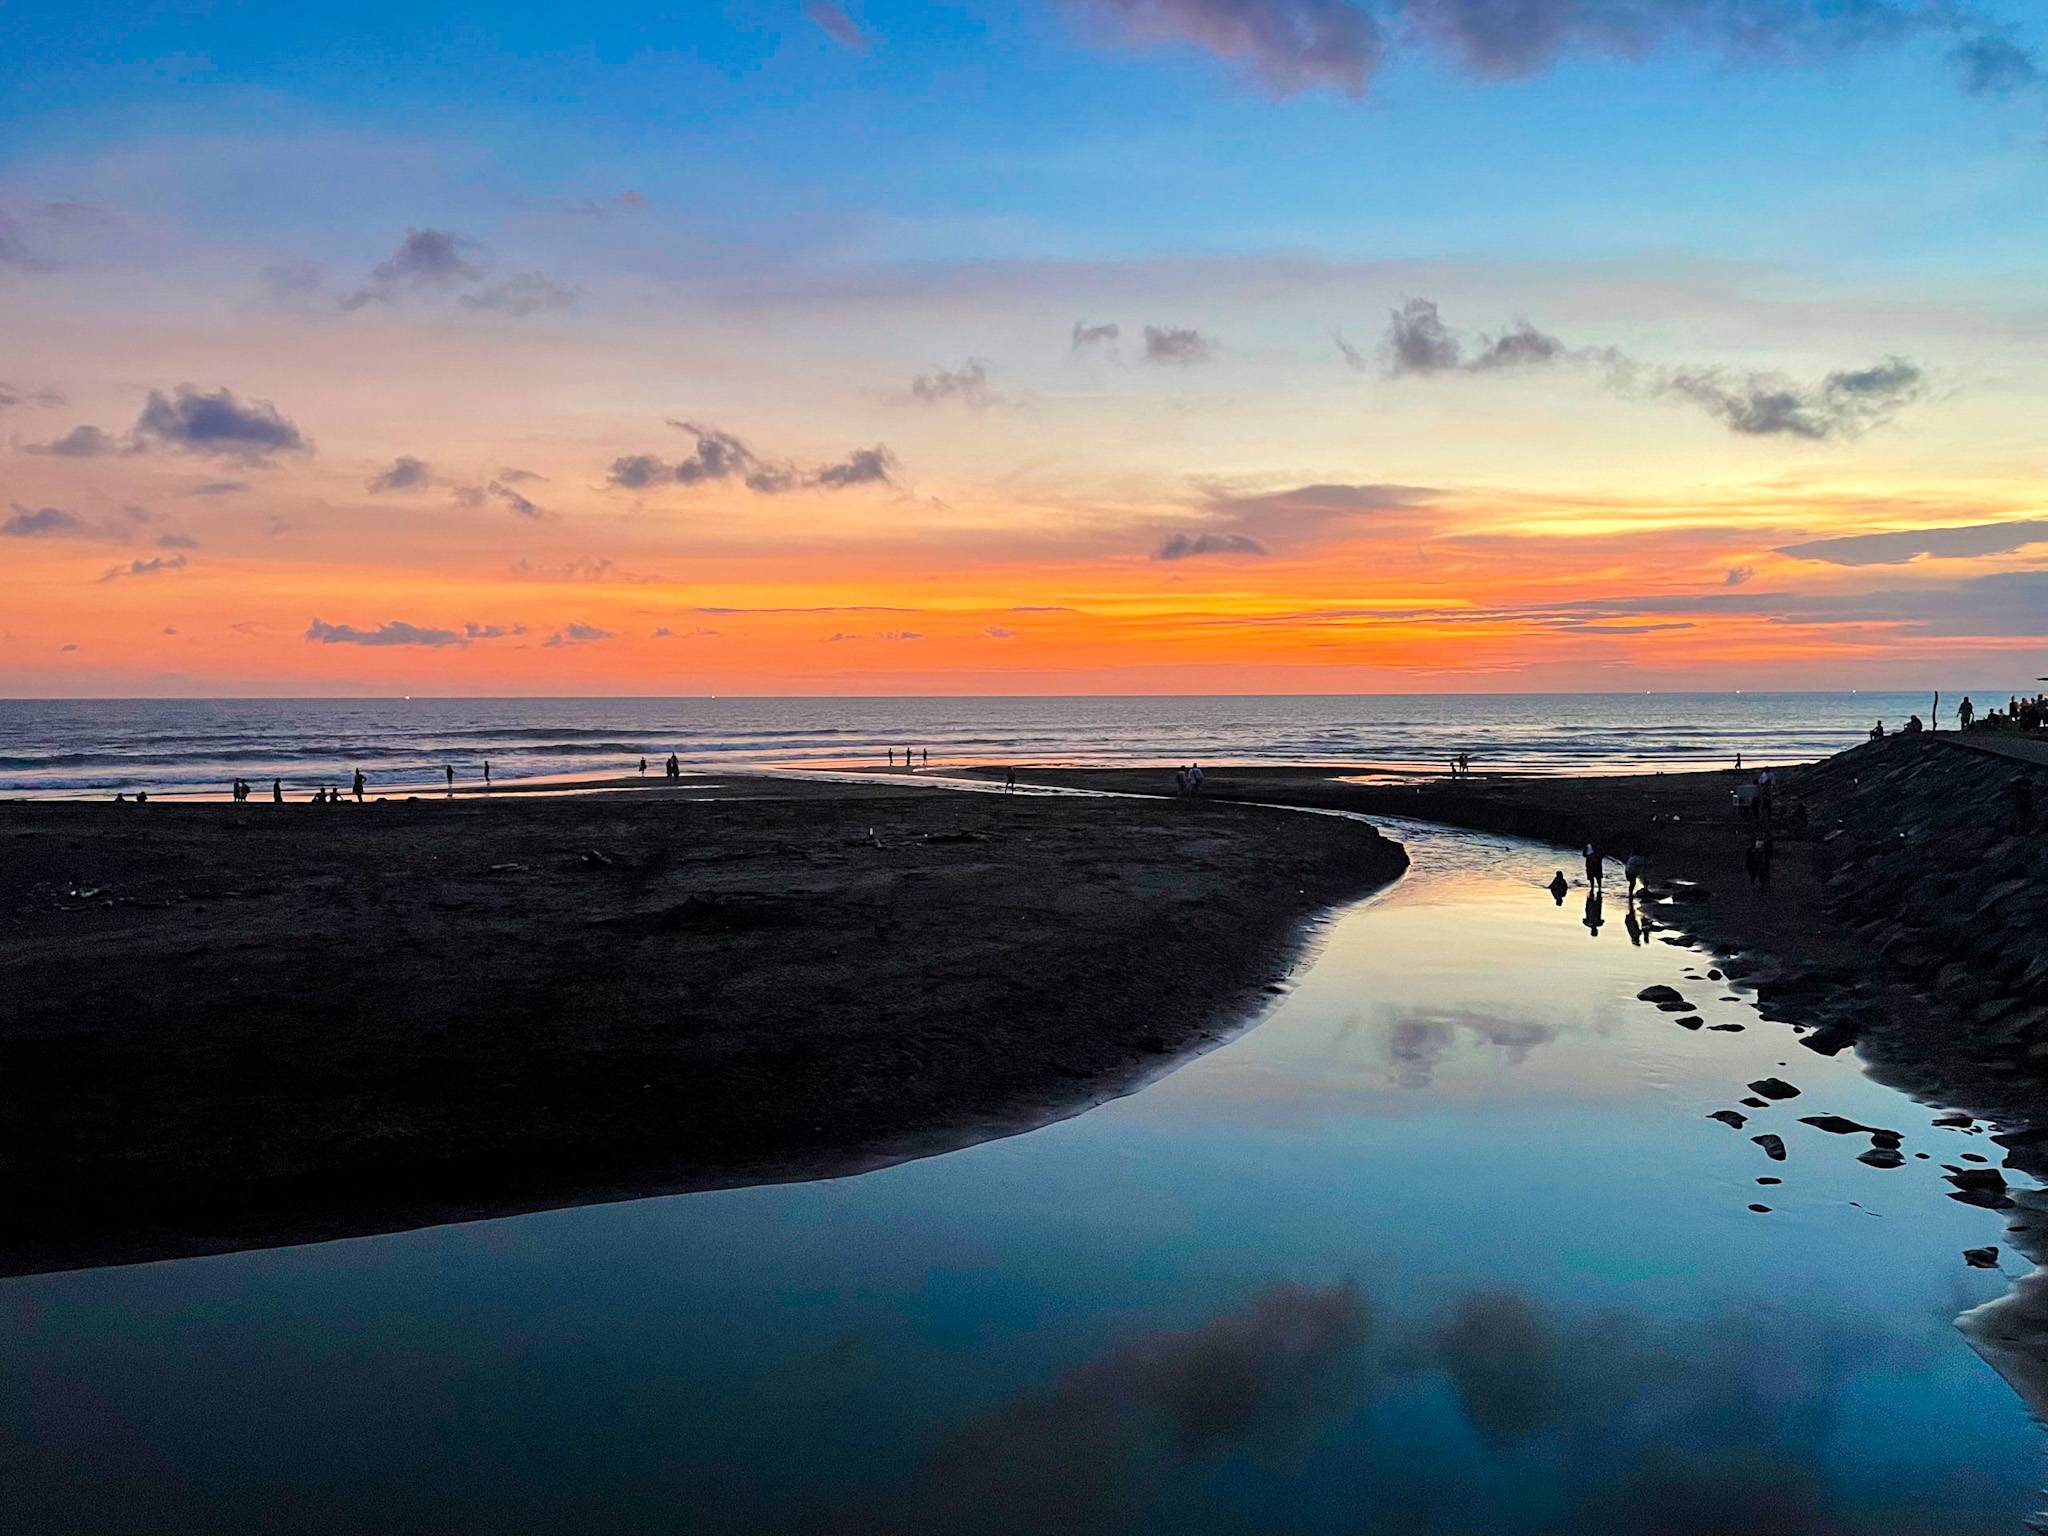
column 1633, row 925
column 1557, row 887
column 1592, row 917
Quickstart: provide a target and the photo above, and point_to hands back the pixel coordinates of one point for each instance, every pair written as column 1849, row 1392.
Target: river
column 1446, row 1242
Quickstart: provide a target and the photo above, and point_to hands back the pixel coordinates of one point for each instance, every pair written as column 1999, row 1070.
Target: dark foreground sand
column 236, row 1025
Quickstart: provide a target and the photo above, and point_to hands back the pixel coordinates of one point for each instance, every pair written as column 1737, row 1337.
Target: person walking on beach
column 277, row 791
column 359, row 786
column 892, row 756
column 1965, row 712
column 449, row 769
column 924, row 757
column 643, row 767
column 675, row 766
column 1557, row 887
column 1180, row 781
column 1009, row 780
column 1633, row 870
column 487, row 773
column 1593, row 863
column 1194, row 778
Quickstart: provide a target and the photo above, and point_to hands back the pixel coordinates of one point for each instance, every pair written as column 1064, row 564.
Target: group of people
column 1634, row 869
column 1188, row 780
column 911, row 757
column 2018, row 714
column 1461, row 766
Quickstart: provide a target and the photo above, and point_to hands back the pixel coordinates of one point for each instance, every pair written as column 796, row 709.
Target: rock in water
column 1774, row 1088
column 1761, row 1210
column 1729, row 1117
column 1836, row 1125
column 1774, row 1146
column 1694, row 1021
column 1981, row 1258
column 1660, row 994
column 1882, row 1157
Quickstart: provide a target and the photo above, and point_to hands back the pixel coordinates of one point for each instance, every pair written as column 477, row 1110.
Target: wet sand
column 232, row 1026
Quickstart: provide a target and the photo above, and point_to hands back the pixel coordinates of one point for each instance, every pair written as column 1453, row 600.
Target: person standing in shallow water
column 1593, row 863
column 358, row 785
column 1557, row 887
column 487, row 773
column 449, row 769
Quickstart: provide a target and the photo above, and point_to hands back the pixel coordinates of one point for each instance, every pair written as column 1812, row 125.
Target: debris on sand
column 1774, row 1146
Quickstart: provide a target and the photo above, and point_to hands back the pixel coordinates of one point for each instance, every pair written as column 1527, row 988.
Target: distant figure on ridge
column 359, row 786
column 1557, row 887
column 1593, row 866
column 925, row 757
column 1877, row 731
column 1913, row 725
column 1738, row 762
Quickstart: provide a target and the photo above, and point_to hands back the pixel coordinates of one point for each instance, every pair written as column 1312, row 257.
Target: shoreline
column 252, row 1027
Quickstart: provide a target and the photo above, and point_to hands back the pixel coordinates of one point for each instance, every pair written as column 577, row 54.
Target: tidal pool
column 1446, row 1243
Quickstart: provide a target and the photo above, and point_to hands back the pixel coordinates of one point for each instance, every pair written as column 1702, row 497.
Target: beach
column 238, row 1025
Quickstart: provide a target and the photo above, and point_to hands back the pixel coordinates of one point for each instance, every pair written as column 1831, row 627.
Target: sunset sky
column 1022, row 346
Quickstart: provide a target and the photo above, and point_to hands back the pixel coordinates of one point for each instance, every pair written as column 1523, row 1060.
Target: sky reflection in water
column 1446, row 1244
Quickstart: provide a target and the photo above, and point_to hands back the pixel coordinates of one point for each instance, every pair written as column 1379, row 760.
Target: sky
column 1022, row 346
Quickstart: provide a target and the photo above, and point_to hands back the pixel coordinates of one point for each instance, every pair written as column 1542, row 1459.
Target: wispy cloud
column 720, row 456
column 576, row 634
column 518, row 504
column 833, row 21
column 1086, row 336
column 1190, row 546
column 43, row 523
column 156, row 565
column 405, row 474
column 1177, row 345
column 1968, row 542
column 433, row 263
column 966, row 385
column 399, row 632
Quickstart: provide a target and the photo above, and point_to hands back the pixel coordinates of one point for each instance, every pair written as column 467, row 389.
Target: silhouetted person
column 1180, row 781
column 449, row 769
column 1913, row 725
column 892, row 757
column 487, row 773
column 1465, row 764
column 1593, row 866
column 1634, row 927
column 1965, row 712
column 1877, row 731
column 1194, row 778
column 1633, row 870
column 924, row 757
column 277, row 791
column 1009, row 780
column 1738, row 762
column 359, row 786
column 1592, row 917
column 643, row 765
column 1558, row 886
column 142, row 797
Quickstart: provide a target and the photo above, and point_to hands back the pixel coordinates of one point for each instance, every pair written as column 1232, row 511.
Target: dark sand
column 229, row 1026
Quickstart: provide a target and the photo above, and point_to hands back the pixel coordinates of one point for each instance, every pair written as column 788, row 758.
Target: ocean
column 73, row 747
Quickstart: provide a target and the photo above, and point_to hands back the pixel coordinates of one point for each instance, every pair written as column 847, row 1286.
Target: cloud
column 1417, row 341
column 967, row 384
column 1737, row 575
column 1177, row 345
column 833, row 21
column 433, row 261
column 405, row 474
column 1290, row 46
column 1287, row 46
column 1844, row 404
column 577, row 634
column 1992, row 64
column 665, row 633
column 14, row 251
column 1769, row 405
column 898, row 634
column 1968, row 542
column 156, row 565
column 11, row 397
column 188, row 420
column 513, row 476
column 492, row 631
column 524, row 293
column 176, row 541
column 468, row 495
column 396, row 632
column 637, row 471
column 1086, row 335
column 518, row 503
column 82, row 442
column 425, row 258
column 997, row 632
column 1189, row 546
column 218, row 488
column 864, row 466
column 44, row 523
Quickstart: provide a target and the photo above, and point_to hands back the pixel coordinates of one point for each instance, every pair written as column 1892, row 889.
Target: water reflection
column 1448, row 1244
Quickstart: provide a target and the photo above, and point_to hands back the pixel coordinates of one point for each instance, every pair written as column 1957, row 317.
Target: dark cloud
column 1992, row 64
column 405, row 474
column 967, row 384
column 396, row 632
column 1737, row 575
column 81, row 442
column 1190, row 546
column 1964, row 543
column 864, row 466
column 218, row 488
column 577, row 634
column 156, row 565
column 513, row 476
column 833, row 21
column 1086, row 335
column 524, row 293
column 1174, row 344
column 44, row 523
column 1289, row 46
column 1843, row 404
column 721, row 456
column 516, row 502
column 425, row 258
column 492, row 631
column 188, row 420
column 637, row 471
column 1770, row 405
column 1307, row 512
column 176, row 541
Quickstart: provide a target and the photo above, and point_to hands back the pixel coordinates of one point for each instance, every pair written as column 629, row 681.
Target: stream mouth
column 1450, row 1241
